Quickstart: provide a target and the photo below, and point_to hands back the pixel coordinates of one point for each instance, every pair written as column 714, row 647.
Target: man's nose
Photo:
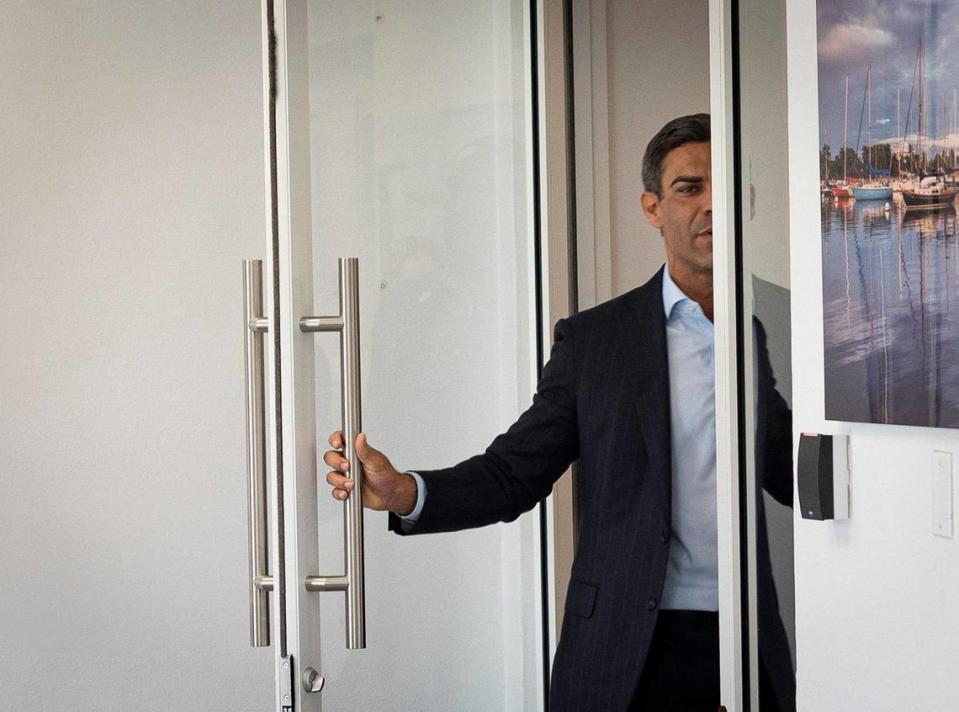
column 707, row 195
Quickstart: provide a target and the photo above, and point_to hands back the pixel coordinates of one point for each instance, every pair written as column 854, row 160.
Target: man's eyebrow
column 686, row 179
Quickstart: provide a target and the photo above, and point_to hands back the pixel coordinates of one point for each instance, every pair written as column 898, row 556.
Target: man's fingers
column 372, row 459
column 336, row 460
column 339, row 481
column 340, row 494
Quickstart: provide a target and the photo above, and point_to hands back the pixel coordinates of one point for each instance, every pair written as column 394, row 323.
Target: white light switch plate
column 942, row 493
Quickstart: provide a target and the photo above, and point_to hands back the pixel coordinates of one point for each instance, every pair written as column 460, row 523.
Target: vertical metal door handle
column 347, row 323
column 254, row 326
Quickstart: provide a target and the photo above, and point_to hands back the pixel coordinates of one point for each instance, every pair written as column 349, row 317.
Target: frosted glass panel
column 420, row 167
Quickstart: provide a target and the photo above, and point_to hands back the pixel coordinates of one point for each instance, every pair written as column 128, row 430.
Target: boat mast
column 845, row 131
column 869, row 121
column 922, row 154
column 898, row 134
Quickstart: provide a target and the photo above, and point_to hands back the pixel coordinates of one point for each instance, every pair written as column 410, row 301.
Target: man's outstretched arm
column 517, row 470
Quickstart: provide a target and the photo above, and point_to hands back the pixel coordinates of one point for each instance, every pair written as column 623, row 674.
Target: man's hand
column 384, row 487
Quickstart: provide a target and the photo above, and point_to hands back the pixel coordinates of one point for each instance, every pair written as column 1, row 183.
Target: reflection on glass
column 772, row 425
column 890, row 280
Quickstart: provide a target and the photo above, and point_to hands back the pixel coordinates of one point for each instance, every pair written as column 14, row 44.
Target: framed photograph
column 889, row 133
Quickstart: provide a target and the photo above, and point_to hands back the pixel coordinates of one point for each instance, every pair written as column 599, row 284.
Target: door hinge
column 286, row 684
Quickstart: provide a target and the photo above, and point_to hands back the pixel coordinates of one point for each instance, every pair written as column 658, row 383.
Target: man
column 629, row 393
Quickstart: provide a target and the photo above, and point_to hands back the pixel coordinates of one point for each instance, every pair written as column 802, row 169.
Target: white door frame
column 291, row 356
column 726, row 319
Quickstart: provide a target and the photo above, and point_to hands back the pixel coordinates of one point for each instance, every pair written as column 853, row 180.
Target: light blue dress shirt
column 692, row 571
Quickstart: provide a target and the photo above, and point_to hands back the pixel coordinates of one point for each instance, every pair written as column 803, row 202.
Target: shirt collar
column 672, row 294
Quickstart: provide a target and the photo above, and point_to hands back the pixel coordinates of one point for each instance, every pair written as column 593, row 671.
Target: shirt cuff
column 410, row 519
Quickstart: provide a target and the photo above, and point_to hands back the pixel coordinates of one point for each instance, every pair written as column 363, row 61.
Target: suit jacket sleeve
column 777, row 454
column 520, row 466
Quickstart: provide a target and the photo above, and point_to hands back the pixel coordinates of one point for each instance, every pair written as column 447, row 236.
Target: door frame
column 737, row 580
column 290, row 279
column 559, row 269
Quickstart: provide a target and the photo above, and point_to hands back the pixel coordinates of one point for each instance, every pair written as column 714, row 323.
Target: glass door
column 403, row 139
column 755, row 286
column 764, row 352
column 132, row 184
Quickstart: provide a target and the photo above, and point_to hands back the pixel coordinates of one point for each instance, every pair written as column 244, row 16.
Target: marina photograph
column 889, row 176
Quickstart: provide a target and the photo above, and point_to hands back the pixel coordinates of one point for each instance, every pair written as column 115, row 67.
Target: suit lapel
column 642, row 325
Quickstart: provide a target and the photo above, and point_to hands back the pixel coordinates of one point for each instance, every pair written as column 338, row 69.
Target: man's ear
column 651, row 209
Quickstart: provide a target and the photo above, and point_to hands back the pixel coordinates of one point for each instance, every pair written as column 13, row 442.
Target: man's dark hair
column 686, row 129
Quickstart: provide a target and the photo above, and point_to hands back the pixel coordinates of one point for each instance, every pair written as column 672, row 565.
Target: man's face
column 685, row 212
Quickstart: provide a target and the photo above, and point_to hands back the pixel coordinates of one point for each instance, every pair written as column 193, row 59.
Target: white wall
column 876, row 613
column 658, row 70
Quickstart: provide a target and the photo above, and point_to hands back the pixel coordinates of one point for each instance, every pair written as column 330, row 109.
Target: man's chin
column 705, row 265
column 705, row 261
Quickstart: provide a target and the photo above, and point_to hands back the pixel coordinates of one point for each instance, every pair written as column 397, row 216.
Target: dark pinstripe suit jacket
column 603, row 400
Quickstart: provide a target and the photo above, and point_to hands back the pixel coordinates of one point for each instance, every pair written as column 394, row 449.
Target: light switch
column 942, row 493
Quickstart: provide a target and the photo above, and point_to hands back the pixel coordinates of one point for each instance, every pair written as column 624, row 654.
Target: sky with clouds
column 885, row 33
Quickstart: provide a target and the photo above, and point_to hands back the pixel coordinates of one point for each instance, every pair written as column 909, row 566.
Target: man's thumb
column 364, row 451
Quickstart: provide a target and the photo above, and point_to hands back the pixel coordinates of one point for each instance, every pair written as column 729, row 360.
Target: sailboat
column 870, row 190
column 933, row 193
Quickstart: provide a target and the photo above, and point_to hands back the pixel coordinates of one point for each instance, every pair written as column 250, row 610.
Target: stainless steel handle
column 254, row 326
column 347, row 323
